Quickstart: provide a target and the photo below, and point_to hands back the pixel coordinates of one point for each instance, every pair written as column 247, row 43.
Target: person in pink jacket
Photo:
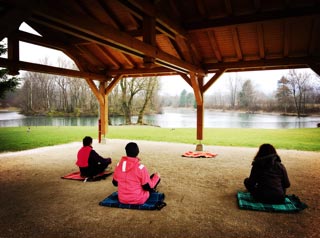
column 132, row 178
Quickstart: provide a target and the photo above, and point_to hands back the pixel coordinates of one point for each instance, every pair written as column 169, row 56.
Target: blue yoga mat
column 292, row 204
column 154, row 202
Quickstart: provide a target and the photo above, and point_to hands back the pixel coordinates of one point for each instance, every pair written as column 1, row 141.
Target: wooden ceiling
column 107, row 38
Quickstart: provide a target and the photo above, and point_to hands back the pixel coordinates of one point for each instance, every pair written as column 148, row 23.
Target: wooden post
column 103, row 112
column 13, row 55
column 197, row 85
column 200, row 112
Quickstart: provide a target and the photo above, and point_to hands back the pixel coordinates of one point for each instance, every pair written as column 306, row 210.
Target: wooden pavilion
column 112, row 39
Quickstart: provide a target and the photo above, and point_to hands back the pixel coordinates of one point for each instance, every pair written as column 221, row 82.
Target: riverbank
column 200, row 195
column 173, row 118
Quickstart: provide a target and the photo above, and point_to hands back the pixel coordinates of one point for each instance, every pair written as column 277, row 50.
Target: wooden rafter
column 197, row 88
column 214, row 45
column 95, row 90
column 105, row 54
column 113, row 83
column 213, row 79
column 228, row 6
column 313, row 34
column 164, row 24
column 261, row 64
column 41, row 41
column 186, row 78
column 201, row 8
column 257, row 17
column 81, row 27
column 21, row 65
column 260, row 40
column 11, row 20
column 236, row 43
column 147, row 8
column 149, row 37
column 141, row 71
column 286, row 38
column 315, row 66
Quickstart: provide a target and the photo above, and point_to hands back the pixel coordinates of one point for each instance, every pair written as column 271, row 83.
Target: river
column 172, row 118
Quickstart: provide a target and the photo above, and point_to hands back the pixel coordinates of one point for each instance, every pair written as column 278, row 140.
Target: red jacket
column 83, row 156
column 130, row 176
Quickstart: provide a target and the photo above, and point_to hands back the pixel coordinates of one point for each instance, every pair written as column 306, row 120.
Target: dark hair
column 265, row 149
column 132, row 149
column 87, row 141
column 266, row 156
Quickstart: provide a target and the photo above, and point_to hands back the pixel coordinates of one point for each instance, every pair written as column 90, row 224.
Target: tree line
column 43, row 94
column 297, row 93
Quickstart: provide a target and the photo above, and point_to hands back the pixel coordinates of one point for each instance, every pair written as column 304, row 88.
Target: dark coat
column 268, row 179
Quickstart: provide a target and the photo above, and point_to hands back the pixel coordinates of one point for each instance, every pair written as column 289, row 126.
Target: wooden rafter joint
column 149, row 62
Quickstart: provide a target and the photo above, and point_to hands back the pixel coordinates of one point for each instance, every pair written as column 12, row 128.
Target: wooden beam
column 103, row 109
column 314, row 35
column 286, row 38
column 200, row 116
column 149, row 71
column 260, row 40
column 228, row 7
column 40, row 41
column 149, row 37
column 163, row 23
column 71, row 51
column 213, row 79
column 82, row 28
column 13, row 54
column 200, row 109
column 11, row 20
column 21, row 65
column 253, row 18
column 236, row 43
column 147, row 8
column 197, row 87
column 260, row 64
column 113, row 83
column 186, row 78
column 315, row 67
column 95, row 90
column 214, row 45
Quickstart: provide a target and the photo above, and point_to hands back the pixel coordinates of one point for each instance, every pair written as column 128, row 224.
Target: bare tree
column 299, row 86
column 234, row 84
column 129, row 88
column 151, row 84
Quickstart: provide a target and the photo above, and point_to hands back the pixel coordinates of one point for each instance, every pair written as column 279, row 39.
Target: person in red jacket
column 89, row 161
column 268, row 178
column 132, row 178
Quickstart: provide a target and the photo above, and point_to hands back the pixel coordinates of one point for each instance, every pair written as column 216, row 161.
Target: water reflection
column 172, row 118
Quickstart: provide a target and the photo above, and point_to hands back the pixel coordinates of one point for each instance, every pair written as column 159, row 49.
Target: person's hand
column 158, row 174
column 109, row 160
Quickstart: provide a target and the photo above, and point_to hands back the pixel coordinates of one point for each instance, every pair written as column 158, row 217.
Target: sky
column 265, row 81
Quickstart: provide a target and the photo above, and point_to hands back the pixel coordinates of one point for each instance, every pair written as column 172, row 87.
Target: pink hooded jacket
column 131, row 175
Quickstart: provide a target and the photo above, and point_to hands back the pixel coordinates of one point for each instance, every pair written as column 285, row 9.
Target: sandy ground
column 200, row 195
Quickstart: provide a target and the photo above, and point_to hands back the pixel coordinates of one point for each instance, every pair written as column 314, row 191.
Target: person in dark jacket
column 268, row 179
column 89, row 161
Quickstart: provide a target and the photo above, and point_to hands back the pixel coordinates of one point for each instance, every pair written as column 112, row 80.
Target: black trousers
column 92, row 170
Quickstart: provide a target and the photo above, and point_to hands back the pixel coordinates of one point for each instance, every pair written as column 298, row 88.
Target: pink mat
column 199, row 154
column 76, row 176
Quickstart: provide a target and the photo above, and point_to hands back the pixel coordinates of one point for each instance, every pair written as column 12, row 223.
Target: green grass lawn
column 17, row 138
